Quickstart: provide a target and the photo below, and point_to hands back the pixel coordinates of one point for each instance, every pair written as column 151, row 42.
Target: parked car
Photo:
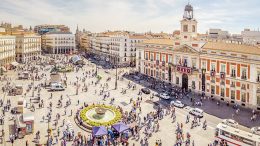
column 196, row 112
column 230, row 122
column 255, row 130
column 146, row 90
column 164, row 96
column 57, row 87
column 177, row 103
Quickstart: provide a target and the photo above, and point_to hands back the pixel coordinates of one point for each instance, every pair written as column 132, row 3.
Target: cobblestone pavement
column 167, row 128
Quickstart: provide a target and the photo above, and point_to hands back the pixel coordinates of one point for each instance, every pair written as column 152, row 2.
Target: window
column 185, row 28
column 163, row 76
column 193, row 28
column 152, row 73
column 163, row 58
column 243, row 73
column 233, row 71
column 213, row 66
column 146, row 71
column 157, row 56
column 177, row 60
column 194, row 63
column 204, row 64
column 233, row 94
column 140, row 55
column 223, row 68
column 258, row 100
column 170, row 58
column 243, row 97
column 157, row 74
column 232, row 84
column 146, row 56
column 185, row 61
column 177, row 80
column 193, row 85
column 151, row 56
column 258, row 76
column 222, row 93
column 212, row 89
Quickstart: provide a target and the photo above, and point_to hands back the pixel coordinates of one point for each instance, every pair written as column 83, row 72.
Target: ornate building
column 225, row 70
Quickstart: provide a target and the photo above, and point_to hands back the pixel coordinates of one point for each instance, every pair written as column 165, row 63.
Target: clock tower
column 188, row 24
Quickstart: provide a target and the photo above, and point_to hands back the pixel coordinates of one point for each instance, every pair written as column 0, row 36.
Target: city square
column 104, row 73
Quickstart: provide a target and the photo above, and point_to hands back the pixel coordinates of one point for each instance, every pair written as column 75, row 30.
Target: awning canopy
column 99, row 131
column 120, row 127
column 14, row 63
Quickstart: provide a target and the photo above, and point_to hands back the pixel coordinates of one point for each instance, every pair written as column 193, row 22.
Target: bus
column 235, row 137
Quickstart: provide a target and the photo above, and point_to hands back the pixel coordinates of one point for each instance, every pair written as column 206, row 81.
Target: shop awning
column 14, row 63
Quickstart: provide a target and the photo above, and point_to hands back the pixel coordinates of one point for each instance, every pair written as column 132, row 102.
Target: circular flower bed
column 88, row 121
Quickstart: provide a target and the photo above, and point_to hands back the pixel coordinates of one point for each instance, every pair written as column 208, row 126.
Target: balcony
column 163, row 63
column 212, row 81
column 212, row 73
column 233, row 85
column 244, row 77
column 243, row 88
column 222, row 83
column 233, row 75
column 222, row 75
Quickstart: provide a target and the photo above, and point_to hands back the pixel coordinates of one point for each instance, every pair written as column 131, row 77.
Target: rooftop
column 159, row 41
column 232, row 47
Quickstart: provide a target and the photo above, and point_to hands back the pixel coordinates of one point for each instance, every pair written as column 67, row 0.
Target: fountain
column 100, row 115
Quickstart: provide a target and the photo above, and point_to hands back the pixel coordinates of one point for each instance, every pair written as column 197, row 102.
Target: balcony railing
column 222, row 75
column 212, row 81
column 233, row 85
column 243, row 77
column 212, row 73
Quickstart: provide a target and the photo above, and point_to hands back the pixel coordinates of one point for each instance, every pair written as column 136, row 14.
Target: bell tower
column 188, row 24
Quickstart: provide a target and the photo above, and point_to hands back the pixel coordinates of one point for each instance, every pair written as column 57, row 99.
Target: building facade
column 59, row 43
column 116, row 47
column 225, row 70
column 28, row 47
column 7, row 50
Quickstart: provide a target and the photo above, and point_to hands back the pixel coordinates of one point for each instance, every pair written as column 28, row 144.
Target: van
column 57, row 87
column 196, row 112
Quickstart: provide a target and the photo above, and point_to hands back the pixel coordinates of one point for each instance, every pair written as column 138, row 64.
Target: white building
column 59, row 43
column 28, row 47
column 218, row 34
column 116, row 47
column 251, row 37
column 7, row 50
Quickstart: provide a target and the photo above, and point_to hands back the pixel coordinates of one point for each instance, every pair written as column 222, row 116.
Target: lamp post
column 116, row 57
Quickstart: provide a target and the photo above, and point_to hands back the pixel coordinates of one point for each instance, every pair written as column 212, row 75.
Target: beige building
column 7, row 50
column 226, row 70
column 28, row 47
column 59, row 43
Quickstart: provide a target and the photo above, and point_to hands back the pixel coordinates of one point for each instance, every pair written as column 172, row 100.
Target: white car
column 164, row 96
column 177, row 103
column 196, row 112
column 57, row 87
column 255, row 130
column 230, row 122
